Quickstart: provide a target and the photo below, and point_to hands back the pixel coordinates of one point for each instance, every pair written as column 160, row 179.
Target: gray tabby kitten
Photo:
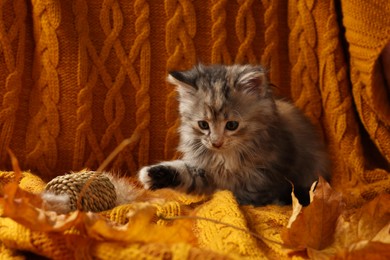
column 235, row 135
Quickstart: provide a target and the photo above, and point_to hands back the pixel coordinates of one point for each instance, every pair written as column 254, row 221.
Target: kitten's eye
column 231, row 125
column 203, row 125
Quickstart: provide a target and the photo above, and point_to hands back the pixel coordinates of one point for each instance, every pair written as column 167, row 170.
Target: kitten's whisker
column 198, row 148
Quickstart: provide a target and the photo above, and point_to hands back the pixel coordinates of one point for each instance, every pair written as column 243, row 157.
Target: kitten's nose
column 217, row 144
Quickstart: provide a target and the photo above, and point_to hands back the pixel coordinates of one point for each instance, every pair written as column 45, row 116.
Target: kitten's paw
column 158, row 177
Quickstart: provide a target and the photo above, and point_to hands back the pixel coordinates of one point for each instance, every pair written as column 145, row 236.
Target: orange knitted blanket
column 169, row 225
column 78, row 77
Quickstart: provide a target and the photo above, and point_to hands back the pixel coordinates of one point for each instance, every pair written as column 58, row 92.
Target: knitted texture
column 78, row 77
column 370, row 91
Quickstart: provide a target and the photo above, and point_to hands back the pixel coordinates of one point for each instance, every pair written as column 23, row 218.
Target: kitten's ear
column 184, row 82
column 179, row 78
column 253, row 80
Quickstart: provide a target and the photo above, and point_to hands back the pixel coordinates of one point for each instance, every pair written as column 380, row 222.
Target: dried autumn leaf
column 314, row 227
column 362, row 233
column 383, row 235
column 15, row 166
column 371, row 222
column 372, row 217
column 24, row 208
column 297, row 208
column 17, row 174
column 372, row 251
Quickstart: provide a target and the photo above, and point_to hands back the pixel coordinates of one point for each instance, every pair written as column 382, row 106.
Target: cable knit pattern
column 370, row 91
column 79, row 77
column 111, row 20
column 270, row 57
column 13, row 66
column 371, row 95
column 142, row 96
column 245, row 30
column 219, row 52
column 180, row 30
column 335, row 89
column 304, row 74
column 45, row 126
column 114, row 104
column 84, row 132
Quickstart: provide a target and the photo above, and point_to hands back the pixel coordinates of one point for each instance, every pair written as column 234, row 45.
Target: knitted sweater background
column 78, row 77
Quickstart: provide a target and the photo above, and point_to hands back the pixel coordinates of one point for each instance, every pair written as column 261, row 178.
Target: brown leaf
column 15, row 166
column 373, row 216
column 371, row 222
column 372, row 251
column 314, row 227
column 25, row 208
column 297, row 208
column 360, row 231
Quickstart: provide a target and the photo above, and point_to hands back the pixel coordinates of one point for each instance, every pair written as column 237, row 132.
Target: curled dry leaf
column 314, row 226
column 297, row 208
column 362, row 233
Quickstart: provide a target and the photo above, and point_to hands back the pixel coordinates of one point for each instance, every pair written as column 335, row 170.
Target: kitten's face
column 222, row 107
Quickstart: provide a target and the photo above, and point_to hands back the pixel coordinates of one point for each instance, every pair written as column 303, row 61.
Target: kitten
column 235, row 135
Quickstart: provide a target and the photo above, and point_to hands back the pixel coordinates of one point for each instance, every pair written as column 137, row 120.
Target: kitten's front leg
column 178, row 175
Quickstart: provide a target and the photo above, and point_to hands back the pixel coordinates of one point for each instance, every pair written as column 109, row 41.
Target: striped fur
column 273, row 146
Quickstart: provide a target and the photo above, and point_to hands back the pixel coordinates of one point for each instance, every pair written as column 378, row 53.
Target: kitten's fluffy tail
column 59, row 203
